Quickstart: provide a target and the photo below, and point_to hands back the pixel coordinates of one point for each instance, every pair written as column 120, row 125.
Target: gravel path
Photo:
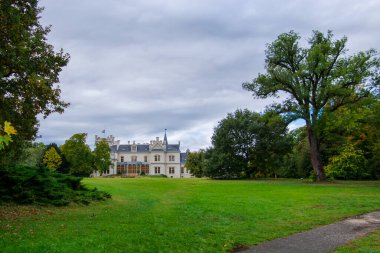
column 322, row 239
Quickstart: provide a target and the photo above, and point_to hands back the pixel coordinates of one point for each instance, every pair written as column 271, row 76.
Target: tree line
column 247, row 144
column 336, row 95
column 73, row 157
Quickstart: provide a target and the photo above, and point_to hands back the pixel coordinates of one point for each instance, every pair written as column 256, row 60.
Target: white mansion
column 155, row 158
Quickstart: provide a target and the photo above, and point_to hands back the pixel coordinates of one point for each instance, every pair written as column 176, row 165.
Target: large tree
column 354, row 127
column 195, row 163
column 78, row 155
column 29, row 69
column 315, row 79
column 102, row 157
column 247, row 144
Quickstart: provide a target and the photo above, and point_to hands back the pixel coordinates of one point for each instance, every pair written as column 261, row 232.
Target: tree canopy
column 247, row 144
column 52, row 159
column 102, row 158
column 316, row 79
column 63, row 167
column 195, row 163
column 78, row 155
column 29, row 69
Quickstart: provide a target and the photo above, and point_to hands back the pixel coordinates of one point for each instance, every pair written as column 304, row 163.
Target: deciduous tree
column 317, row 78
column 247, row 144
column 78, row 155
column 63, row 167
column 52, row 159
column 195, row 163
column 29, row 69
column 102, row 158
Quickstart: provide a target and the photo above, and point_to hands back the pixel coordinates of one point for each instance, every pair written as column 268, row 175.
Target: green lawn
column 183, row 215
column 367, row 244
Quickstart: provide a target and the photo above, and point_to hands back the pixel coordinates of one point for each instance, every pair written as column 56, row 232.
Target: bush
column 27, row 185
column 349, row 164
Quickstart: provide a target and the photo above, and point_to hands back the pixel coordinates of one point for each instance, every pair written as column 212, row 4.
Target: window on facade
column 157, row 158
column 182, row 170
column 145, row 169
column 122, row 159
column 145, row 159
column 156, row 170
column 171, row 158
column 171, row 170
column 133, row 158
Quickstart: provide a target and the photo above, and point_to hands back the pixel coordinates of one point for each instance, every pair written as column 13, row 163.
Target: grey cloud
column 138, row 67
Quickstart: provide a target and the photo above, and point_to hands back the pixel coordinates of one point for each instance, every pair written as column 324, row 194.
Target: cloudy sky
column 138, row 67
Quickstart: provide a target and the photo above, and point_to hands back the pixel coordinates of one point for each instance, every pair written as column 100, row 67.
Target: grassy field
column 183, row 215
column 367, row 244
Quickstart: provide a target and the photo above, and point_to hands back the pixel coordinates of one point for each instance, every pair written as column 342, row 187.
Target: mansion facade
column 157, row 157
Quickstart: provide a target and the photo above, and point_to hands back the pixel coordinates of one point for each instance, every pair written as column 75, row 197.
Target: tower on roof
column 165, row 138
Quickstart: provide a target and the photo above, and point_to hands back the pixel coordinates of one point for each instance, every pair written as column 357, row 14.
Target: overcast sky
column 138, row 67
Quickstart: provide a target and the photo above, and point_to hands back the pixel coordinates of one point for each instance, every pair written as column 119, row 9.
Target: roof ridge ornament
column 165, row 138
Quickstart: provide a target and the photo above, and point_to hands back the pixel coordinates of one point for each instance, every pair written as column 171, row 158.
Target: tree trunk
column 314, row 154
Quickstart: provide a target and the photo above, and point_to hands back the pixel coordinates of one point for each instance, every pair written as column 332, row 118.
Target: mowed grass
column 183, row 215
column 367, row 244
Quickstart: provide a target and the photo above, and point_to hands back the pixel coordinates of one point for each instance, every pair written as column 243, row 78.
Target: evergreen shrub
column 39, row 185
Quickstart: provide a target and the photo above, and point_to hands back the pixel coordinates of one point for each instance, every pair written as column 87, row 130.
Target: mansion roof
column 140, row 148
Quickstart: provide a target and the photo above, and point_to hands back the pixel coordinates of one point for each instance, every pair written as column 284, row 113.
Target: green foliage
column 63, row 167
column 5, row 137
column 318, row 79
column 78, row 155
column 297, row 161
column 247, row 144
column 102, row 158
column 195, row 163
column 29, row 69
column 349, row 164
column 27, row 185
column 222, row 165
column 32, row 153
column 272, row 143
column 353, row 126
column 52, row 160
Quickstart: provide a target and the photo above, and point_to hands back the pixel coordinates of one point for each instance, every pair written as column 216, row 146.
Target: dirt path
column 322, row 239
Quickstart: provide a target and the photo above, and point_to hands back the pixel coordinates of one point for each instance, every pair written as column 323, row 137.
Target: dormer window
column 134, row 148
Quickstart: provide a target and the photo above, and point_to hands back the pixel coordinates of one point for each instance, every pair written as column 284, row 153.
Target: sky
column 139, row 67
